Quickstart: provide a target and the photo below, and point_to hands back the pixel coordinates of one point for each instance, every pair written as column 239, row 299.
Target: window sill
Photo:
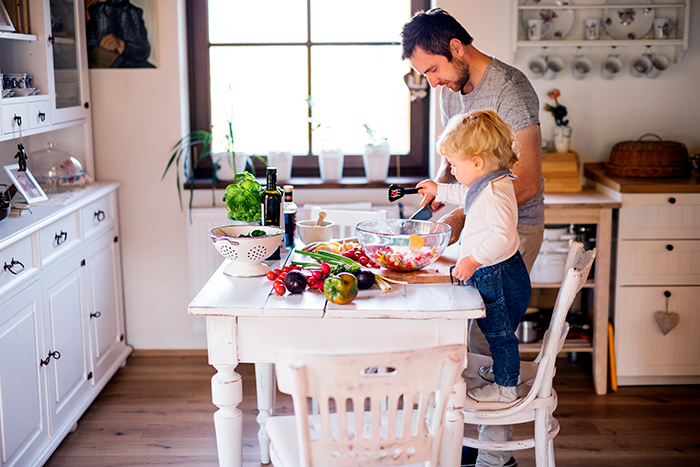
column 317, row 183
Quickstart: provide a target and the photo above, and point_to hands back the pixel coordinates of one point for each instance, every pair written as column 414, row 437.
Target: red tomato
column 286, row 269
column 277, row 271
column 271, row 275
column 356, row 255
column 364, row 261
column 280, row 289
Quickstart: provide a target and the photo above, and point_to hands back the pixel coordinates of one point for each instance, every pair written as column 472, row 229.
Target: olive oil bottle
column 272, row 204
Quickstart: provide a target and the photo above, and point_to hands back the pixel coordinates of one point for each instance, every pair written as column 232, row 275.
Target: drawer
column 641, row 348
column 658, row 262
column 9, row 112
column 674, row 215
column 99, row 216
column 38, row 115
column 58, row 239
column 17, row 264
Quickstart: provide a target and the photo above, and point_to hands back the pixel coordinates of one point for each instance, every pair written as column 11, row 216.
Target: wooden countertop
column 596, row 173
column 585, row 199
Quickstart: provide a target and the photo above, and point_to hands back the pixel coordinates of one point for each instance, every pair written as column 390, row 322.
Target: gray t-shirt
column 508, row 92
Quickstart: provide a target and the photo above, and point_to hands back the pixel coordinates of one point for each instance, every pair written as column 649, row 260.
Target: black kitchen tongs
column 398, row 192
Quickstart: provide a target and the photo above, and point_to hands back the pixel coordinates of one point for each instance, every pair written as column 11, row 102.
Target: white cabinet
column 61, row 320
column 658, row 270
column 24, row 427
column 569, row 16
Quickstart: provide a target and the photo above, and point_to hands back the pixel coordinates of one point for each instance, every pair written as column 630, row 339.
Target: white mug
column 554, row 67
column 580, row 67
column 537, row 66
column 640, row 66
column 536, row 28
column 591, row 29
column 658, row 64
column 662, row 28
column 611, row 67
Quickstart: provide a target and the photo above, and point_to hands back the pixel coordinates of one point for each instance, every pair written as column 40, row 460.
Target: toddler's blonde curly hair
column 479, row 133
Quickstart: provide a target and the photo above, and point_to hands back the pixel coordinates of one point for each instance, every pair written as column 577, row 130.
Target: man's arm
column 528, row 169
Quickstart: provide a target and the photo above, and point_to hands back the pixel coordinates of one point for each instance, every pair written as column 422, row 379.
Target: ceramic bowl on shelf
column 403, row 245
column 24, row 91
column 246, row 253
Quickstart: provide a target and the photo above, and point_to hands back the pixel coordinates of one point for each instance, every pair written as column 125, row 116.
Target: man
column 439, row 48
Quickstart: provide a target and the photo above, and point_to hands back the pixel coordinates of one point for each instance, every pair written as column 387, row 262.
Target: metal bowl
column 403, row 245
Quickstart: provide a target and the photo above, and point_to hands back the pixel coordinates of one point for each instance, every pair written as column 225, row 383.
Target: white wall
column 138, row 116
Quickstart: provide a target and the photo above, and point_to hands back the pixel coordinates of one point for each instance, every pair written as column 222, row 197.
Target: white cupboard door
column 105, row 302
column 64, row 321
column 23, row 427
column 641, row 348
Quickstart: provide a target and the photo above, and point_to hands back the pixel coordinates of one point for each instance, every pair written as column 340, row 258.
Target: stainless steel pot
column 527, row 332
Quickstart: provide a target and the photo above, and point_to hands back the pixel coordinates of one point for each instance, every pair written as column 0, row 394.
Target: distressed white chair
column 346, row 219
column 342, row 384
column 537, row 400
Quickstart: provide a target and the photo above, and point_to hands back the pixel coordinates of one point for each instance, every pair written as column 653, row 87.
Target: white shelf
column 18, row 37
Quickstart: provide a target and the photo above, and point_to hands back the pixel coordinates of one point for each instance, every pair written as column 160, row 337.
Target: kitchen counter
column 596, row 173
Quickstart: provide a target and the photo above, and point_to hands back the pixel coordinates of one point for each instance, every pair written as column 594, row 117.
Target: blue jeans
column 505, row 289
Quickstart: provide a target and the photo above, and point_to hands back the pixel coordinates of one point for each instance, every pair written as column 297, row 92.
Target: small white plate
column 23, row 92
column 6, row 92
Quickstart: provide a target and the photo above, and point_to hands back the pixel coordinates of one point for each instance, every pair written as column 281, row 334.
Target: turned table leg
column 265, row 384
column 227, row 394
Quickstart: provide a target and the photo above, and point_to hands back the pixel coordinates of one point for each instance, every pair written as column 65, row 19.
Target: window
column 306, row 75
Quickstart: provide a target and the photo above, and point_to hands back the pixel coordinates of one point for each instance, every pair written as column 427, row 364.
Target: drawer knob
column 13, row 263
column 60, row 238
column 669, row 247
column 672, row 200
column 99, row 215
column 96, row 314
column 667, row 294
column 42, row 116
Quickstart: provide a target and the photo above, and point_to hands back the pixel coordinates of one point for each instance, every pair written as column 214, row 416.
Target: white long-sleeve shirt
column 490, row 232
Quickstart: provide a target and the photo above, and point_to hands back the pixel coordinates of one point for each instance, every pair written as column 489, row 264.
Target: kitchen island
column 248, row 322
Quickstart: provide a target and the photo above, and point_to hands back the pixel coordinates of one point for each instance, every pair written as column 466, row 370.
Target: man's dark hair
column 432, row 31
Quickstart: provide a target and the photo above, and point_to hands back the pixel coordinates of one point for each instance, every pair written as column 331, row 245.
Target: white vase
column 330, row 162
column 283, row 162
column 376, row 160
column 562, row 138
column 224, row 165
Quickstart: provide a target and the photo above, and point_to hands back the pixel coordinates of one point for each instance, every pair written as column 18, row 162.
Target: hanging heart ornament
column 666, row 321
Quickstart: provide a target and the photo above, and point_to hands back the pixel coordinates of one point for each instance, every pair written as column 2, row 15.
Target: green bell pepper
column 340, row 288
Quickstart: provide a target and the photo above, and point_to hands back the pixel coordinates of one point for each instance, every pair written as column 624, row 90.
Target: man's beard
column 462, row 70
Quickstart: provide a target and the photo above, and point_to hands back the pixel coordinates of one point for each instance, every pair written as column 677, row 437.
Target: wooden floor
column 158, row 411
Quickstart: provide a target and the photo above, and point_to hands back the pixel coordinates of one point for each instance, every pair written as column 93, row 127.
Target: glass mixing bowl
column 403, row 245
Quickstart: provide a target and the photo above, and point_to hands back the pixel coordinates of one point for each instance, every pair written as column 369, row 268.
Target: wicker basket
column 648, row 159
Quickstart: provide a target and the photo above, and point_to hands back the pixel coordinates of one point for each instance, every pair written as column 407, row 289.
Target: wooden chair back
column 367, row 417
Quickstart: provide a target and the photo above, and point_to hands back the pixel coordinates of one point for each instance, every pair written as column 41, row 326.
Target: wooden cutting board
column 438, row 272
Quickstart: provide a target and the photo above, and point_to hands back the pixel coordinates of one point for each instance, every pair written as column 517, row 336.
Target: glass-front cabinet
column 67, row 59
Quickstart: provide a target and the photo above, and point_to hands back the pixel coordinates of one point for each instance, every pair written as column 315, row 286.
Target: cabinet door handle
column 672, row 200
column 669, row 247
column 96, row 314
column 55, row 354
column 60, row 238
column 13, row 263
column 99, row 215
column 42, row 116
column 51, row 40
column 18, row 120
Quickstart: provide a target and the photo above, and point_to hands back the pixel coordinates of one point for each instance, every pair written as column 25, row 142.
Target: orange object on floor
column 611, row 358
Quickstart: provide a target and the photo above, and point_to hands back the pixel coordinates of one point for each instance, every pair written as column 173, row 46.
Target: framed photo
column 26, row 184
column 5, row 21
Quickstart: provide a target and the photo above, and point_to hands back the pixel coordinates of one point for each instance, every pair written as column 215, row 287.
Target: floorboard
column 157, row 410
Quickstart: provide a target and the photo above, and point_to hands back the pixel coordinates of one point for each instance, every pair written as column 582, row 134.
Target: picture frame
column 26, row 184
column 5, row 20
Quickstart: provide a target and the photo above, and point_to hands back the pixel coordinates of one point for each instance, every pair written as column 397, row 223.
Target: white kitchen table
column 247, row 322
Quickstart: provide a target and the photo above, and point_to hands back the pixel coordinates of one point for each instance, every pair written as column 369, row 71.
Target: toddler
column 478, row 146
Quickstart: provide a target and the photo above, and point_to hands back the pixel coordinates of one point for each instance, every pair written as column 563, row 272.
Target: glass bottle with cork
column 272, row 204
column 290, row 215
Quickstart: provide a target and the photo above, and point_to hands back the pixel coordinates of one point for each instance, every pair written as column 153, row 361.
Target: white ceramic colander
column 246, row 253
